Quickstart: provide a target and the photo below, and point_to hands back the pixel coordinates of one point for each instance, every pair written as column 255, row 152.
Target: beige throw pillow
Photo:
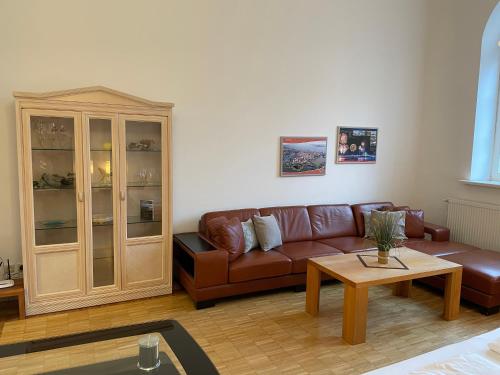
column 268, row 232
column 400, row 222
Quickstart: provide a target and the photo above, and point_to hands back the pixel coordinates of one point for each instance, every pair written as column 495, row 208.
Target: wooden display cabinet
column 95, row 192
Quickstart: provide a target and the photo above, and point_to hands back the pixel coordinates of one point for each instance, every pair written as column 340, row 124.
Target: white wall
column 242, row 74
column 455, row 29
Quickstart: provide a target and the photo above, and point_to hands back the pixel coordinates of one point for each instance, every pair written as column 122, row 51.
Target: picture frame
column 356, row 145
column 303, row 156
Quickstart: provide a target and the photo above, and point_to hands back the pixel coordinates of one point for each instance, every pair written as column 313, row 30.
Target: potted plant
column 384, row 229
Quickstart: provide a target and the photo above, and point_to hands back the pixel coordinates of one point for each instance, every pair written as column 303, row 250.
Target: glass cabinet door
column 143, row 144
column 101, row 163
column 54, row 179
column 54, row 202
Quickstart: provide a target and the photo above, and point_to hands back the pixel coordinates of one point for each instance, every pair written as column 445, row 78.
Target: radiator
column 474, row 223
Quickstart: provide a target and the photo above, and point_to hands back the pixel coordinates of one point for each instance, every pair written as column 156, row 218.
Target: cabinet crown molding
column 93, row 94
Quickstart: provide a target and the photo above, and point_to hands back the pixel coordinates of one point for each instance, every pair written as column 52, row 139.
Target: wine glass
column 52, row 134
column 141, row 174
column 41, row 133
column 61, row 136
column 149, row 176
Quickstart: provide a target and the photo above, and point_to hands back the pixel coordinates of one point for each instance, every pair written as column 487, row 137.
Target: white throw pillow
column 250, row 236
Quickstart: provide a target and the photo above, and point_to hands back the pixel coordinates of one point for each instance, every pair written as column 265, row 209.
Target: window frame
column 495, row 157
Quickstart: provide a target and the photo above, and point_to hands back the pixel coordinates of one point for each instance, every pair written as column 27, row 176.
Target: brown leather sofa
column 311, row 231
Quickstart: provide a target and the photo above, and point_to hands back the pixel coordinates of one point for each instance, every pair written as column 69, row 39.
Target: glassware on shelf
column 62, row 137
column 142, row 145
column 104, row 178
column 102, row 219
column 146, row 177
column 41, row 134
column 55, row 181
column 53, row 223
column 52, row 134
column 52, row 131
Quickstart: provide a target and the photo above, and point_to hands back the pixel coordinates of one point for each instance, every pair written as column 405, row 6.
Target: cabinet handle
column 81, row 197
column 122, row 195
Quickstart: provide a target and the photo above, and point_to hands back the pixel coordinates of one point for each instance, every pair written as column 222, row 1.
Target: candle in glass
column 148, row 353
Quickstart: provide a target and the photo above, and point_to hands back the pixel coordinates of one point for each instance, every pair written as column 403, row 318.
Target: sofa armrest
column 199, row 257
column 211, row 268
column 437, row 232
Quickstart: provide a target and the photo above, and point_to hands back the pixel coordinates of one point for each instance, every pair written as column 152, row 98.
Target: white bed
column 472, row 356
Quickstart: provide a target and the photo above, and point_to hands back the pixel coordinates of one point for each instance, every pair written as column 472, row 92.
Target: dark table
column 190, row 355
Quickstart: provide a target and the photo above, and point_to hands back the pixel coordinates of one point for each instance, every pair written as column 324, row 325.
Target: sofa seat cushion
column 299, row 252
column 481, row 269
column 350, row 244
column 258, row 264
column 412, row 241
column 439, row 248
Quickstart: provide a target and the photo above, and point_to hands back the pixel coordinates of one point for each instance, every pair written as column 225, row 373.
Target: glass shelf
column 51, row 149
column 143, row 150
column 55, row 224
column 139, row 185
column 132, row 185
column 139, row 220
column 54, row 188
column 130, row 220
column 100, row 150
column 107, row 223
column 71, row 224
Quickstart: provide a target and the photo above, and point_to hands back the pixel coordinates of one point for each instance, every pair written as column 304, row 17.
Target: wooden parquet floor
column 271, row 334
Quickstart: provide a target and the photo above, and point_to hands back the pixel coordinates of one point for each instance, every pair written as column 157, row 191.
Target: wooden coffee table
column 357, row 278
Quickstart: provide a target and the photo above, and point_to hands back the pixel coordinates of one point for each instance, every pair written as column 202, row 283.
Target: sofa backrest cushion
column 333, row 220
column 414, row 221
column 243, row 215
column 358, row 209
column 227, row 234
column 293, row 221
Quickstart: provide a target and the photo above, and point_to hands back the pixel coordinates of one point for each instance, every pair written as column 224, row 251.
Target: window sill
column 487, row 184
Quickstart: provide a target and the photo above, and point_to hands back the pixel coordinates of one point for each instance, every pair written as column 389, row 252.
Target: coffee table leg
column 452, row 295
column 402, row 289
column 22, row 310
column 355, row 309
column 313, row 285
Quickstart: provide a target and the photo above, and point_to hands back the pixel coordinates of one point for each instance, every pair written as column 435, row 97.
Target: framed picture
column 356, row 145
column 303, row 156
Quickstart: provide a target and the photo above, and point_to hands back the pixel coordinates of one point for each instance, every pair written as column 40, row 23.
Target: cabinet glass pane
column 144, row 178
column 102, row 201
column 54, row 194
